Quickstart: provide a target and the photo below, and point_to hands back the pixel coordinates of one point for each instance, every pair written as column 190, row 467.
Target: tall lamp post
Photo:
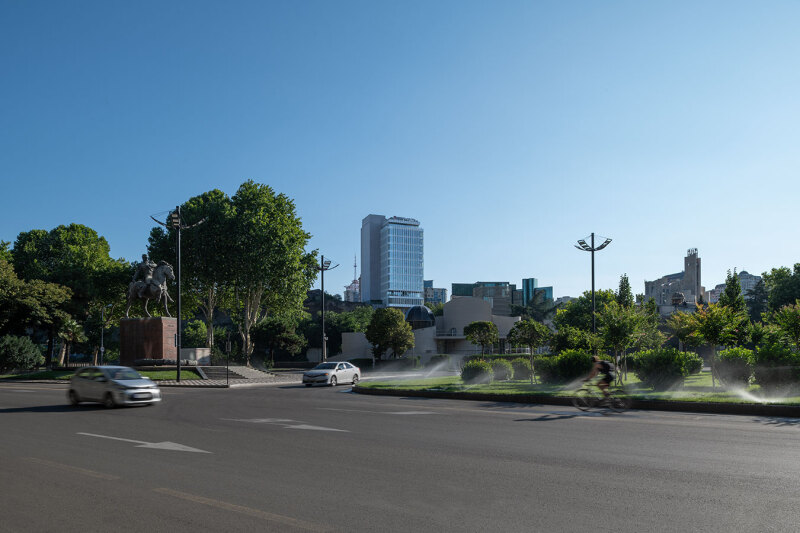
column 592, row 248
column 102, row 330
column 323, row 266
column 175, row 222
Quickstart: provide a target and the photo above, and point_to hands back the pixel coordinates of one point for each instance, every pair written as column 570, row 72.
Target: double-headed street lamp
column 323, row 266
column 582, row 245
column 175, row 222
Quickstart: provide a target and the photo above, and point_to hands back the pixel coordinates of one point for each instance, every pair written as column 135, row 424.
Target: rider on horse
column 144, row 270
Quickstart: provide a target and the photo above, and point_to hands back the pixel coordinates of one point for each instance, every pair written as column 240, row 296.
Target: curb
column 752, row 409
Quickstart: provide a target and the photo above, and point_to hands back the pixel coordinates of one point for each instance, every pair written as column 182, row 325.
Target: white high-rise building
column 391, row 261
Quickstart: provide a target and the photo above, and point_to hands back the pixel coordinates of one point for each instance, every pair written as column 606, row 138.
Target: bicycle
column 589, row 397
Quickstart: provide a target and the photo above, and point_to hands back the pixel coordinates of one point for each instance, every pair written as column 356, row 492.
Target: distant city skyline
column 509, row 130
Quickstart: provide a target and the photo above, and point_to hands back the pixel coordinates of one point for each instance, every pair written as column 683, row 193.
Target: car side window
column 348, row 366
column 340, row 367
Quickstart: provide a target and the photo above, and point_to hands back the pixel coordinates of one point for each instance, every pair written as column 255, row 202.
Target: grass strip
column 696, row 388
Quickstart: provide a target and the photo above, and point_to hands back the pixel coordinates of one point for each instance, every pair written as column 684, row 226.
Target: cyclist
column 606, row 369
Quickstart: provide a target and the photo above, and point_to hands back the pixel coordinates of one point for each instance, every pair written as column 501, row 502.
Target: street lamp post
column 323, row 266
column 592, row 248
column 102, row 330
column 174, row 221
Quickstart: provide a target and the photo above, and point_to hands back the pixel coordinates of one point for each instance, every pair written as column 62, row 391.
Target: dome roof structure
column 419, row 317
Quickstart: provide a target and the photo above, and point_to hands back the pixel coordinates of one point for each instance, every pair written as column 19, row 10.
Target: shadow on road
column 548, row 418
column 62, row 408
column 779, row 422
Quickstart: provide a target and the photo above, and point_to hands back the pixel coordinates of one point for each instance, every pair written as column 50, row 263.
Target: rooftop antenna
column 355, row 271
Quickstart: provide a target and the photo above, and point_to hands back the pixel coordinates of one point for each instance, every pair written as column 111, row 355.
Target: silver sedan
column 112, row 386
column 332, row 373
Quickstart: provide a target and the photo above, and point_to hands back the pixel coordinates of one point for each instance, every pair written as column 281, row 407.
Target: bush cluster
column 734, row 367
column 776, row 367
column 522, row 368
column 19, row 353
column 662, row 368
column 477, row 371
column 503, row 371
column 570, row 365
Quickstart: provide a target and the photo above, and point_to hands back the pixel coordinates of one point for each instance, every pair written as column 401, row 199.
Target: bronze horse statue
column 156, row 289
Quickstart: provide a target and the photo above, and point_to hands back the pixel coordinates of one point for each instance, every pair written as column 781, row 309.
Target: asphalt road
column 288, row 458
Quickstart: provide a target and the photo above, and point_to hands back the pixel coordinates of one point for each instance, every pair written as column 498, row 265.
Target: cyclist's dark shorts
column 607, row 378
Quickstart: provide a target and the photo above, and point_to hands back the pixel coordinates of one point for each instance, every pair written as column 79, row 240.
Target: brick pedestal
column 147, row 338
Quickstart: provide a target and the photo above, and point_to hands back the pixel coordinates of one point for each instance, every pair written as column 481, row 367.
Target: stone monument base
column 147, row 338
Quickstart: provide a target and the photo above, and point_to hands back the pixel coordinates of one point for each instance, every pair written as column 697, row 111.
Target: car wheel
column 333, row 381
column 109, row 401
column 309, row 384
column 73, row 397
column 355, row 379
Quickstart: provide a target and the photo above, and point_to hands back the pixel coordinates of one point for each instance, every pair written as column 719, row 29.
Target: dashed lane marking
column 70, row 468
column 241, row 509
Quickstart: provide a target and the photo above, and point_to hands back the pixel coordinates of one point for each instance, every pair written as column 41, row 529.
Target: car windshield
column 325, row 366
column 122, row 374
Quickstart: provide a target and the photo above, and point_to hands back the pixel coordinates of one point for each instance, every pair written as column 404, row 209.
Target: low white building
column 445, row 337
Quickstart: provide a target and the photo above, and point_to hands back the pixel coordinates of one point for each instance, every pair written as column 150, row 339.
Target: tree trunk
column 48, row 357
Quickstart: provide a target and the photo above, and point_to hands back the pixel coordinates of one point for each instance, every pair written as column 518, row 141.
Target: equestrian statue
column 150, row 283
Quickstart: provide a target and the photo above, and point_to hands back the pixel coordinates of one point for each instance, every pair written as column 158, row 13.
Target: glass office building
column 392, row 261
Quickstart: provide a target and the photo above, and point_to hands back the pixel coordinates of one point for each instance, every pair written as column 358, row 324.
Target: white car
column 332, row 374
column 112, row 386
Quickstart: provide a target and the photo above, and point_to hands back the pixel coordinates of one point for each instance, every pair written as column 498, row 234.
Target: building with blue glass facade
column 391, row 261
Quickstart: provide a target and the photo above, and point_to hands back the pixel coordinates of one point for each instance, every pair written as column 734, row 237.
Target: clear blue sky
column 508, row 129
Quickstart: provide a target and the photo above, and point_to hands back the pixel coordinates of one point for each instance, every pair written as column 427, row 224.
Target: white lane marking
column 166, row 445
column 379, row 412
column 315, row 428
column 22, row 390
column 70, row 468
column 249, row 511
column 284, row 422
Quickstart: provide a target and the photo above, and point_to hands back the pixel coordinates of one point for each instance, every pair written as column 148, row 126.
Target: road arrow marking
column 166, row 445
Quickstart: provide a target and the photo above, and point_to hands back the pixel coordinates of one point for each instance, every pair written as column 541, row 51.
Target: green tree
column 717, row 324
column 757, row 301
column 205, row 284
column 783, row 286
column 482, row 332
column 71, row 333
column 732, row 295
column 787, row 320
column 5, row 251
column 684, row 327
column 268, row 267
column 619, row 327
column 531, row 334
column 577, row 313
column 275, row 334
column 76, row 257
column 34, row 305
column 624, row 294
column 570, row 338
column 18, row 353
column 387, row 330
column 436, row 308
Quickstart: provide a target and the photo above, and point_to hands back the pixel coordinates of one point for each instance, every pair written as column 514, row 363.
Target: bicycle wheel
column 583, row 399
column 619, row 403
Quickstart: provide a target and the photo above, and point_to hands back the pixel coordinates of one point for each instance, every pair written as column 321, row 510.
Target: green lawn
column 696, row 388
column 155, row 375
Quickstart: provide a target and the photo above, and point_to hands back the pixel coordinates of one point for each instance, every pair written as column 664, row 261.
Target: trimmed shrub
column 522, row 368
column 503, row 371
column 776, row 367
column 545, row 368
column 694, row 363
column 734, row 367
column 570, row 365
column 663, row 367
column 19, row 353
column 477, row 372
